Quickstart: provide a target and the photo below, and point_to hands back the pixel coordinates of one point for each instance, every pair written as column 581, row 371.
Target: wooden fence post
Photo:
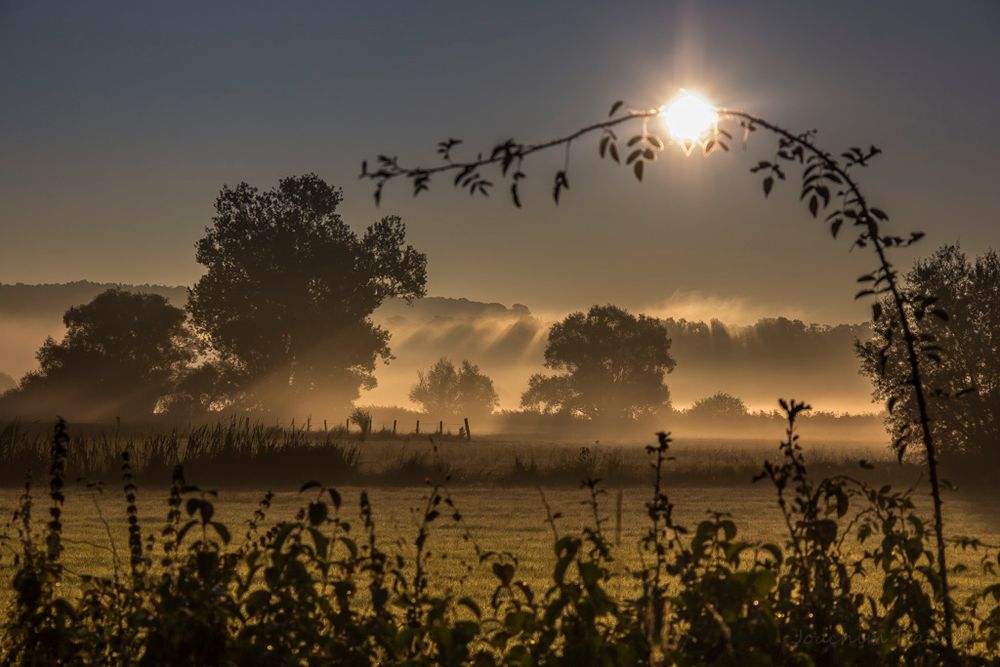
column 418, row 427
column 468, row 433
column 394, row 427
column 441, row 427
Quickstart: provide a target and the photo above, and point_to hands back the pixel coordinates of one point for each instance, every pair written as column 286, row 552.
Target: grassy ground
column 500, row 519
column 493, row 482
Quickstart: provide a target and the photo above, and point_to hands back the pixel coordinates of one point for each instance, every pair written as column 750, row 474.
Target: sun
column 689, row 118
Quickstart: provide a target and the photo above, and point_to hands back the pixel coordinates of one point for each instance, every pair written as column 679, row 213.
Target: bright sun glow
column 689, row 118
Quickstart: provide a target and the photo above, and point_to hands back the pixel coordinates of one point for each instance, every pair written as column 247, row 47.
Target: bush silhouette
column 455, row 392
column 718, row 406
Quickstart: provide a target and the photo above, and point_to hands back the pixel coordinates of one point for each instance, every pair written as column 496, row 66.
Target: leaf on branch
column 460, row 176
column 514, row 192
column 824, row 193
column 768, row 184
column 561, row 182
column 444, row 148
column 615, row 107
column 638, row 170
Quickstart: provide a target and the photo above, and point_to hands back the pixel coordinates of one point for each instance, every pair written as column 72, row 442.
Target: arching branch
column 828, row 186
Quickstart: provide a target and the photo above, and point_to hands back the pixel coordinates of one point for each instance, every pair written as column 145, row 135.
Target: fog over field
column 758, row 358
column 757, row 362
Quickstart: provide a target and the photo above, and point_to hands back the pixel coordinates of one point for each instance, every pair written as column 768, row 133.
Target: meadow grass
column 502, row 519
column 496, row 481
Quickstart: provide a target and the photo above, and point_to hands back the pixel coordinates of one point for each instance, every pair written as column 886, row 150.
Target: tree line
column 280, row 323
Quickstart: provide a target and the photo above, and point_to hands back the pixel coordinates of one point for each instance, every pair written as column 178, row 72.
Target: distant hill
column 444, row 307
column 51, row 300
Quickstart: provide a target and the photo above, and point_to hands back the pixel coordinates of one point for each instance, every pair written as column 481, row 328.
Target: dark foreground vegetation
column 854, row 582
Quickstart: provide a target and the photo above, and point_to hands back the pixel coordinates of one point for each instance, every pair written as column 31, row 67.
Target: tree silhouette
column 455, row 392
column 612, row 366
column 964, row 367
column 288, row 291
column 121, row 354
column 719, row 406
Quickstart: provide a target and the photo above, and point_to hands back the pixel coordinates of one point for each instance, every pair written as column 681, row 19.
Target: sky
column 119, row 123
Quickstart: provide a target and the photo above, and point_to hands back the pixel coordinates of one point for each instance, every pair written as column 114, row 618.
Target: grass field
column 500, row 517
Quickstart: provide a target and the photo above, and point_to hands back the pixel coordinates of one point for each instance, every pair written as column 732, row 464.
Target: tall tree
column 455, row 392
column 122, row 353
column 611, row 365
column 964, row 403
column 289, row 289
